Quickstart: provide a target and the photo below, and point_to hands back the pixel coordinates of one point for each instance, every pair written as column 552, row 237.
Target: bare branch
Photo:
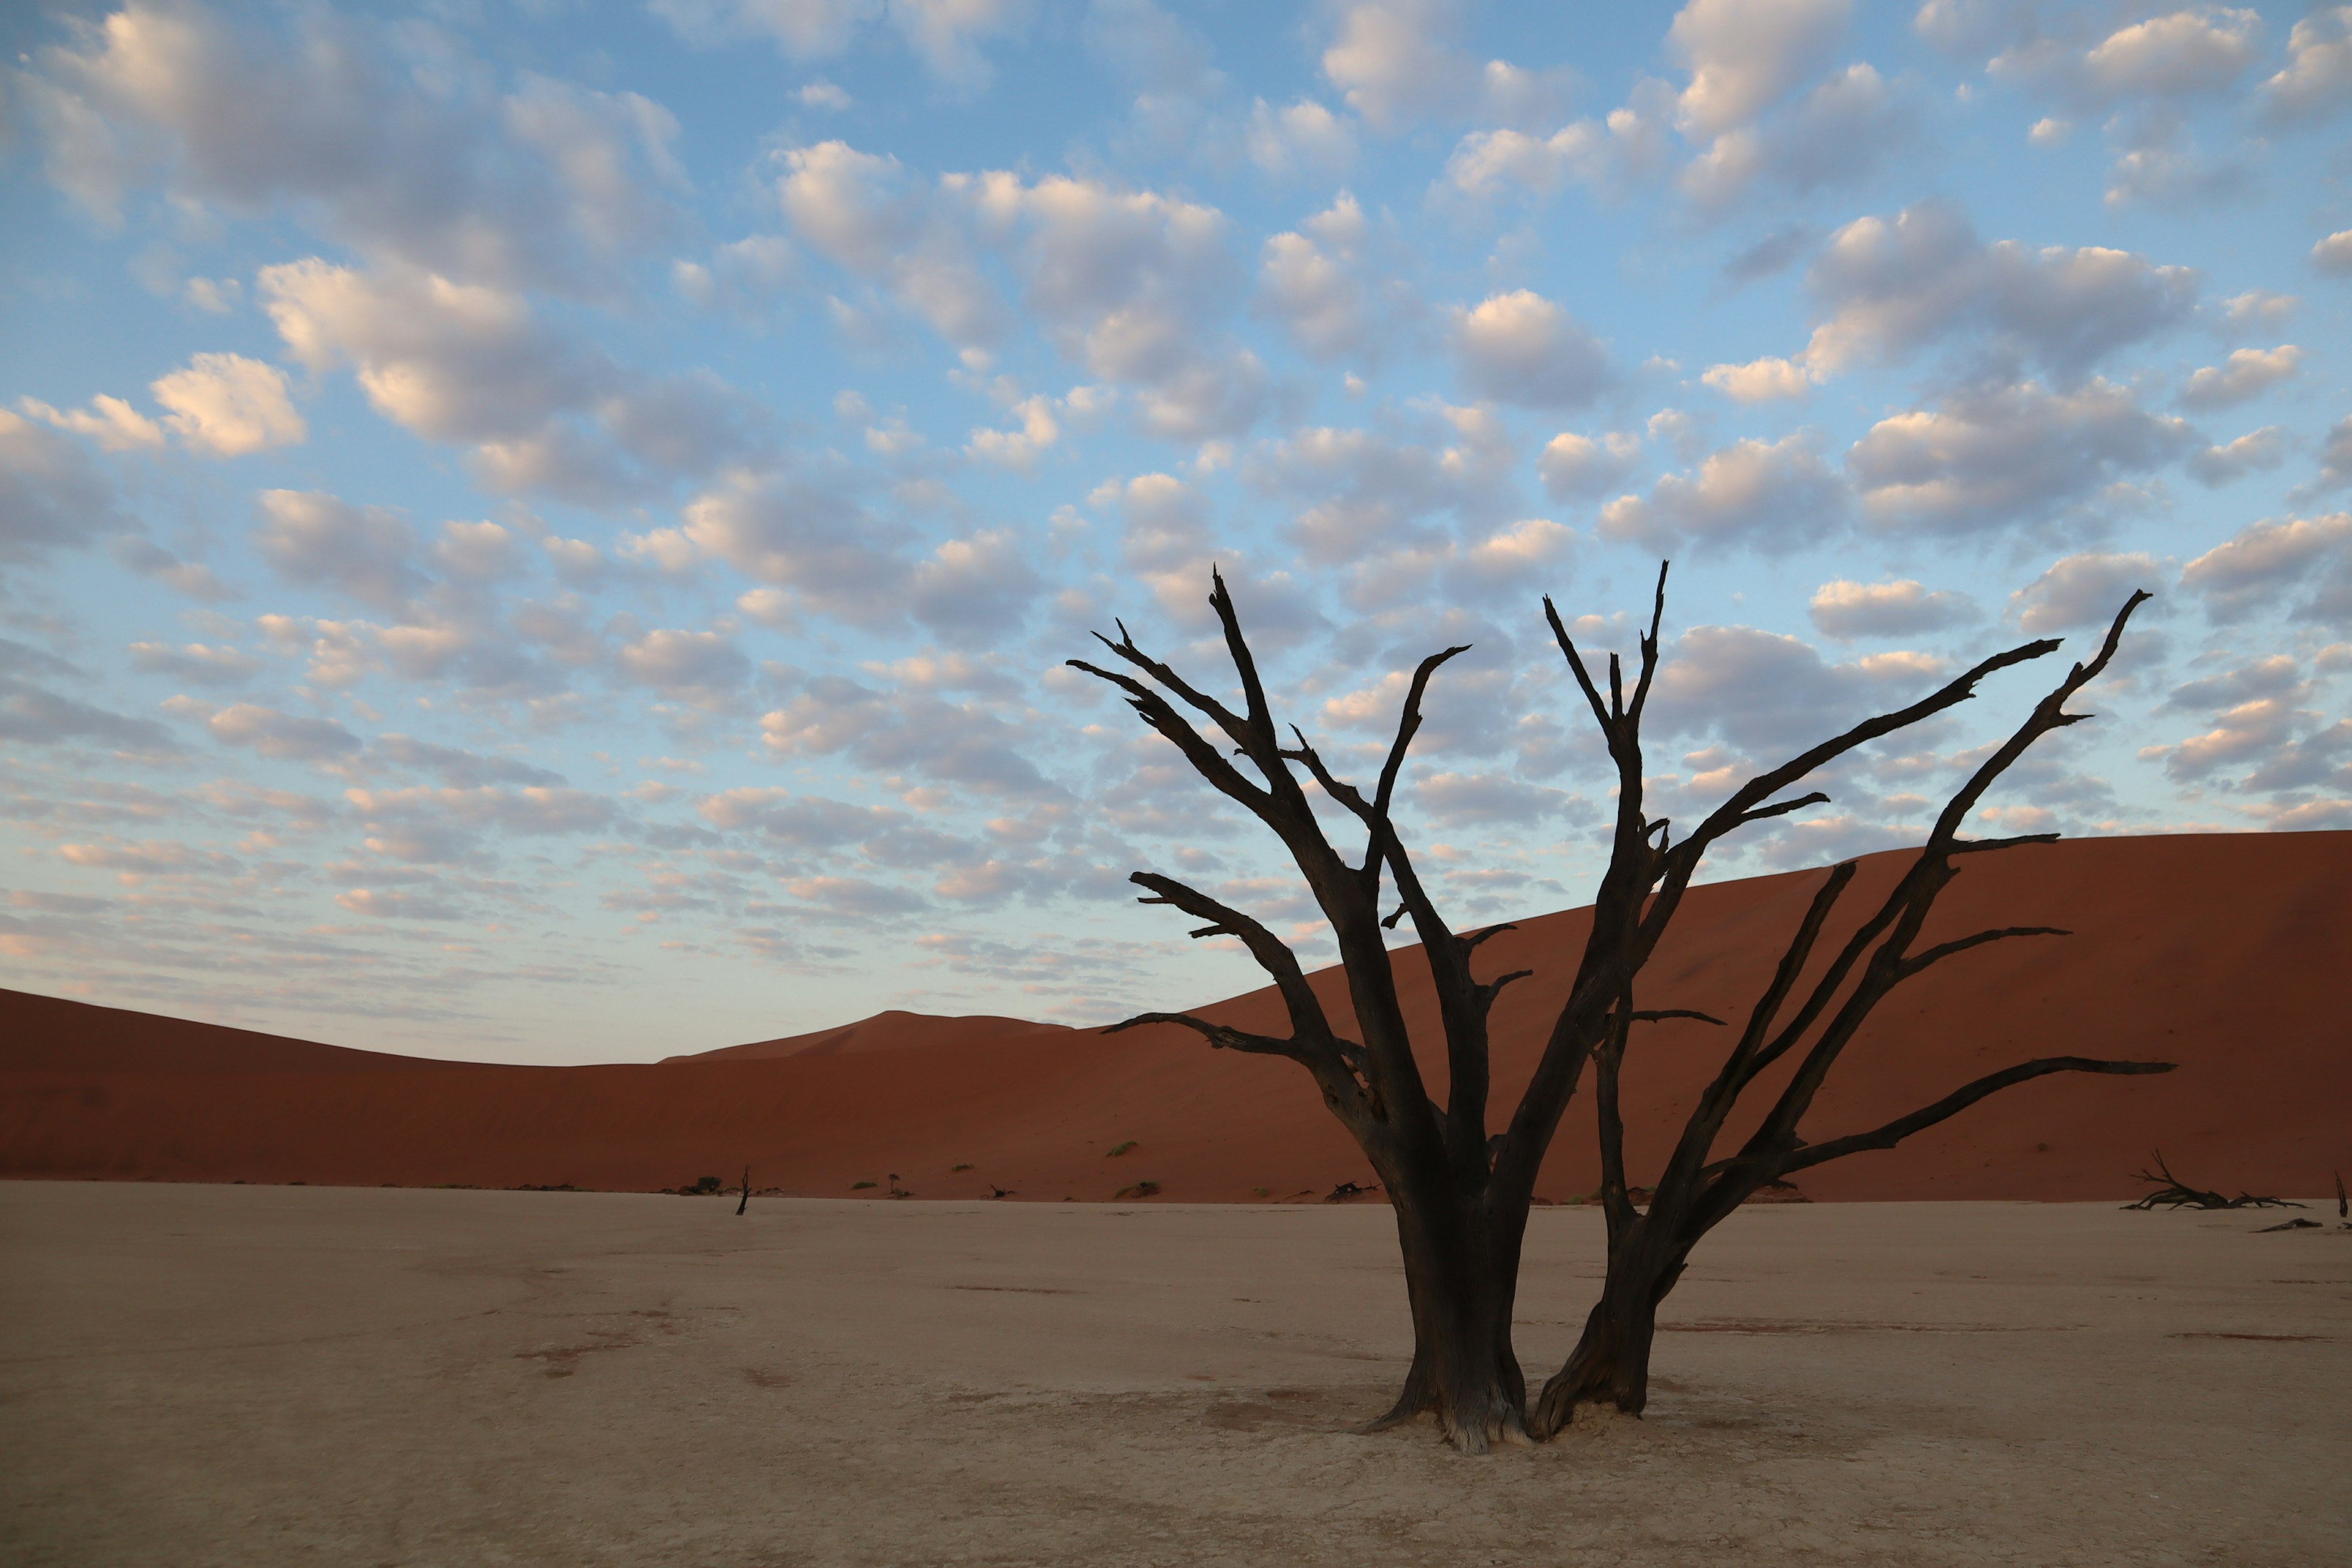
column 1660, row 1015
column 1474, row 938
column 1207, row 760
column 1258, row 738
column 1952, row 1104
column 1221, row 1036
column 1650, row 647
column 1408, row 725
column 1765, row 786
column 1494, row 988
column 1576, row 665
column 2048, row 714
column 1919, row 962
column 1979, row 846
column 1225, row 718
column 1784, row 807
column 1308, row 1020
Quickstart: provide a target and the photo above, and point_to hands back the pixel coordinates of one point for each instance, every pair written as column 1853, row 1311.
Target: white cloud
column 1745, row 56
column 1997, row 457
column 1769, row 496
column 51, row 495
column 1394, row 60
column 1368, row 490
column 453, row 362
column 974, row 591
column 944, row 34
column 220, row 406
column 1766, row 692
column 1759, row 381
column 703, row 668
column 2188, row 52
column 480, row 550
column 2256, row 449
column 742, row 276
column 1890, row 288
column 215, row 296
column 270, row 732
column 112, row 423
column 1314, row 280
column 2256, row 309
column 473, row 364
column 2334, row 461
column 314, row 538
column 441, row 826
column 2260, row 569
column 2317, row 81
column 1457, row 800
column 1487, row 161
column 1303, row 137
column 386, row 134
column 802, row 28
column 801, row 536
column 1523, row 348
column 2334, row 254
column 2084, row 590
column 1845, row 610
column 1841, row 132
column 2249, row 373
column 1578, row 467
column 225, row 406
column 906, row 732
column 198, row 664
column 1020, row 448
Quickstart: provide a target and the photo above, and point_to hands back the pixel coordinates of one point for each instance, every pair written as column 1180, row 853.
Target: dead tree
column 2172, row 1192
column 1462, row 1192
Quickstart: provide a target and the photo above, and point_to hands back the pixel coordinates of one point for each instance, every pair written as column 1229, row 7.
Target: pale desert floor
column 253, row 1376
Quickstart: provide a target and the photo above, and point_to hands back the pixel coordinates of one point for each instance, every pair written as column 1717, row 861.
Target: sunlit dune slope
column 2224, row 953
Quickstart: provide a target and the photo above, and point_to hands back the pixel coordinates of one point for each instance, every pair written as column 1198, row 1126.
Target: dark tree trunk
column 1464, row 1371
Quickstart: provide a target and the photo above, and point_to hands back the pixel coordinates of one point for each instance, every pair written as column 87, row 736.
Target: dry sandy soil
column 257, row 1376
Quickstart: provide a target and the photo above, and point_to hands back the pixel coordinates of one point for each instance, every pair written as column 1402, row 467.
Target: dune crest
column 889, row 1030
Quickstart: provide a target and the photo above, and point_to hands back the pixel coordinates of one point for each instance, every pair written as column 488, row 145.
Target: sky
column 545, row 531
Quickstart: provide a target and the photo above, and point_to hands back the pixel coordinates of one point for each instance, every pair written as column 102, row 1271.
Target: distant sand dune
column 2222, row 952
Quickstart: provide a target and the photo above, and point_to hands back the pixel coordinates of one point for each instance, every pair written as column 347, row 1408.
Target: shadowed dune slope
column 2222, row 954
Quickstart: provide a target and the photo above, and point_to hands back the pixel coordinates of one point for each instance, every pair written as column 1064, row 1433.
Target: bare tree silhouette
column 1462, row 1192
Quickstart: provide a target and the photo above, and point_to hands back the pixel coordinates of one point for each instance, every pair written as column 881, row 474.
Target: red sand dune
column 2224, row 953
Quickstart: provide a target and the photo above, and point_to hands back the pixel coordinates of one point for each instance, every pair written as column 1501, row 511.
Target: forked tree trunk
column 1610, row 1364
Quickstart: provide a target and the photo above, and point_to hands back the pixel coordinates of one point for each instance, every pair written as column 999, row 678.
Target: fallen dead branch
column 2172, row 1192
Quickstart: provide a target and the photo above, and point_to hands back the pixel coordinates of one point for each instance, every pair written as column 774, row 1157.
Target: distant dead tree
column 1460, row 1191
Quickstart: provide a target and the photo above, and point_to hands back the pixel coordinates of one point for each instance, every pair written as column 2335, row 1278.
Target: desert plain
column 249, row 1377
column 267, row 1301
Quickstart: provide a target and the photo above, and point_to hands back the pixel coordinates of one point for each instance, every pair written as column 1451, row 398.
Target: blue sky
column 548, row 532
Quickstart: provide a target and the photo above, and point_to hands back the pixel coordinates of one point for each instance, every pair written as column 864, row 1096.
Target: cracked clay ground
column 251, row 1376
